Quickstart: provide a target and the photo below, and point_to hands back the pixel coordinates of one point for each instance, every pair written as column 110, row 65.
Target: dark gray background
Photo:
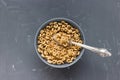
column 20, row 19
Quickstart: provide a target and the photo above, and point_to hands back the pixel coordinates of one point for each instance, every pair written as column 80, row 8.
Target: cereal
column 63, row 52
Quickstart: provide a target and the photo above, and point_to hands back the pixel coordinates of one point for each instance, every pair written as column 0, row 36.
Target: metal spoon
column 100, row 51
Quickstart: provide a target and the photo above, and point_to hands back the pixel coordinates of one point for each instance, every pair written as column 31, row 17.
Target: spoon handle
column 100, row 51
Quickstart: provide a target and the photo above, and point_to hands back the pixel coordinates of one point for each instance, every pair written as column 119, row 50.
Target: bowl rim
column 71, row 22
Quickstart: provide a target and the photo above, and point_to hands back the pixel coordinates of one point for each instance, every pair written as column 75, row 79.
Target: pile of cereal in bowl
column 60, row 51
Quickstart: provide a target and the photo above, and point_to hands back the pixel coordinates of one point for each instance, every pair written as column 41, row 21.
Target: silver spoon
column 100, row 51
